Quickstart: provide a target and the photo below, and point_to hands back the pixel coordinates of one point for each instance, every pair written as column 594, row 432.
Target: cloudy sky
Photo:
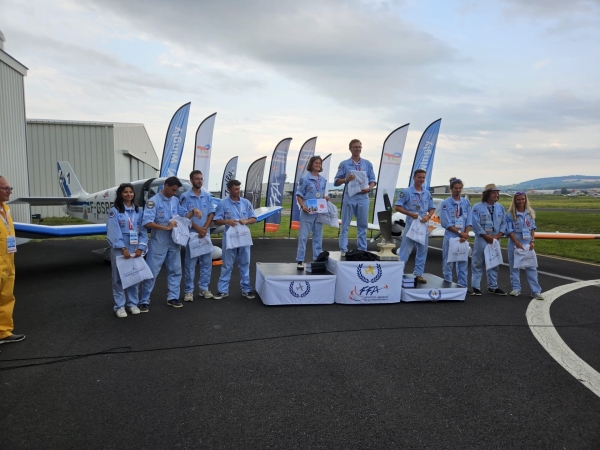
column 514, row 81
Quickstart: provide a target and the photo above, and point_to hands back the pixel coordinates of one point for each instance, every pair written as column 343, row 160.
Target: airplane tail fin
column 69, row 184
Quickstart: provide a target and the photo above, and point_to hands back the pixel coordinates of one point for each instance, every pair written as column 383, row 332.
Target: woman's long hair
column 513, row 206
column 119, row 199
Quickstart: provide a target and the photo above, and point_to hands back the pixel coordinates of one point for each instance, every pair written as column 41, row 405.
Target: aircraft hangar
column 102, row 155
column 13, row 156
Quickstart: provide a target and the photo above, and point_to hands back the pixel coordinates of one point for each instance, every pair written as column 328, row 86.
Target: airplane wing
column 266, row 211
column 34, row 231
column 44, row 201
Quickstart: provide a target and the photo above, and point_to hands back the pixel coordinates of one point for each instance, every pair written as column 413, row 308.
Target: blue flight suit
column 419, row 202
column 490, row 224
column 308, row 188
column 228, row 209
column 160, row 209
column 187, row 202
column 357, row 205
column 450, row 211
column 524, row 223
column 118, row 229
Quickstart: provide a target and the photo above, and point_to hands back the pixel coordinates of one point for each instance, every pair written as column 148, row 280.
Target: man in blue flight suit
column 196, row 205
column 157, row 217
column 416, row 203
column 488, row 224
column 231, row 212
column 357, row 205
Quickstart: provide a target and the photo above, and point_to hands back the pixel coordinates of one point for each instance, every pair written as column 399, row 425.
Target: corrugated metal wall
column 88, row 148
column 13, row 153
column 94, row 150
column 134, row 139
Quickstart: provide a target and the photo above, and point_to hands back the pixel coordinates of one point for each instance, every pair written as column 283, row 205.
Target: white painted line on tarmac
column 555, row 275
column 540, row 323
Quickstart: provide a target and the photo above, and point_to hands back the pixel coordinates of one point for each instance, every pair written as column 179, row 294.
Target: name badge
column 133, row 237
column 459, row 223
column 526, row 233
column 11, row 244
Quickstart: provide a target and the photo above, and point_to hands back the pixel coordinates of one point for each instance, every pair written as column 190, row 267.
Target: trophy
column 385, row 229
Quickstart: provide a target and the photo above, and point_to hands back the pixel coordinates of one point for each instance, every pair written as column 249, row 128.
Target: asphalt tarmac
column 234, row 373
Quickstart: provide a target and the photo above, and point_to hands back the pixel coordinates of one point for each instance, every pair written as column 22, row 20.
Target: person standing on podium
column 416, row 203
column 312, row 186
column 357, row 205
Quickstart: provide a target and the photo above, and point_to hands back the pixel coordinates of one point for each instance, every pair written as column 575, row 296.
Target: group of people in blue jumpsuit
column 127, row 224
column 127, row 227
column 489, row 222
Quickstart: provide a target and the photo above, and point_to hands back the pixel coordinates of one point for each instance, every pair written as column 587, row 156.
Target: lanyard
column 459, row 211
column 5, row 219
column 357, row 166
column 236, row 207
column 130, row 219
column 316, row 183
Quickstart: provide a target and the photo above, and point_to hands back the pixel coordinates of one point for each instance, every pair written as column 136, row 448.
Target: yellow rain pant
column 7, row 278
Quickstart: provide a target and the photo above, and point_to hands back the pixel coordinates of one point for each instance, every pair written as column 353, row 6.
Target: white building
column 13, row 155
column 102, row 155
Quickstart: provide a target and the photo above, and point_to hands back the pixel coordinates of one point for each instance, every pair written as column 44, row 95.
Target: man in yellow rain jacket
column 8, row 247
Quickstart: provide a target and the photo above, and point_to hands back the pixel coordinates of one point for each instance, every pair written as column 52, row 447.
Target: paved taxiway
column 236, row 374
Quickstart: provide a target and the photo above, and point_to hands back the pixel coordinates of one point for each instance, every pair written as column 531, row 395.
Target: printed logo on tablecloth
column 435, row 295
column 299, row 289
column 369, row 273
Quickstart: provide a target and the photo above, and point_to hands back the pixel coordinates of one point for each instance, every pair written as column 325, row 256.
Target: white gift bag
column 331, row 217
column 525, row 258
column 359, row 183
column 200, row 245
column 493, row 255
column 133, row 271
column 181, row 233
column 458, row 251
column 238, row 236
column 418, row 231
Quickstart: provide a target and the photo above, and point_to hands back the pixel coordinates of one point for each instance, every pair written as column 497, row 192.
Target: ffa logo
column 444, row 206
column 299, row 289
column 435, row 295
column 401, row 194
column 369, row 273
column 111, row 214
column 150, row 205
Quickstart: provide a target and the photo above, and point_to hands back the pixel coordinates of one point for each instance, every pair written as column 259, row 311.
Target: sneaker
column 496, row 291
column 474, row 291
column 515, row 293
column 134, row 310
column 206, row 294
column 420, row 279
column 121, row 313
column 12, row 338
column 174, row 303
column 300, row 265
column 144, row 308
column 220, row 295
column 188, row 297
column 537, row 296
column 249, row 295
column 343, row 253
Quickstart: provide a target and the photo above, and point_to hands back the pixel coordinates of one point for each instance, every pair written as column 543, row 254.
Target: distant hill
column 567, row 182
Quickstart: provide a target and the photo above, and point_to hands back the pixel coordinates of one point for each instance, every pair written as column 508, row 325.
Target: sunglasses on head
column 520, row 193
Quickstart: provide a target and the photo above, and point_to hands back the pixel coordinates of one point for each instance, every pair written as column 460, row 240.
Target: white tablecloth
column 284, row 284
column 366, row 282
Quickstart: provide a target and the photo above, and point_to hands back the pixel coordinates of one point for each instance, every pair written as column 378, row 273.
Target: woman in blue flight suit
column 520, row 227
column 312, row 186
column 456, row 218
column 127, row 238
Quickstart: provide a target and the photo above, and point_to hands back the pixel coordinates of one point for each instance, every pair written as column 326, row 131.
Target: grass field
column 572, row 221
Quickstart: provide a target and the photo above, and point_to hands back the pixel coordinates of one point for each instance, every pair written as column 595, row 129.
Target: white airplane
column 94, row 207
